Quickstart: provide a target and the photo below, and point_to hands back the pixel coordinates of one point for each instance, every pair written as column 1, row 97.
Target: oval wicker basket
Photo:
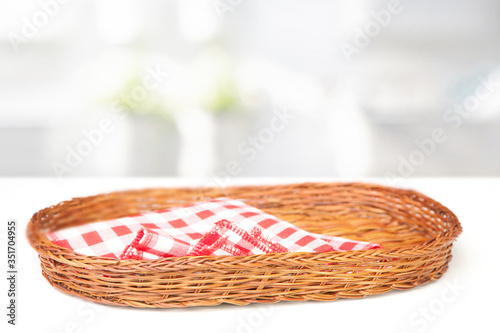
column 416, row 233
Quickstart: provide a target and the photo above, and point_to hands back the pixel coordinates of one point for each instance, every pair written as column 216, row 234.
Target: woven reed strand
column 416, row 233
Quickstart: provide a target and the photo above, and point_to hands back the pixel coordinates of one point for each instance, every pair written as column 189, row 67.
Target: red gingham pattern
column 148, row 244
column 189, row 224
column 227, row 239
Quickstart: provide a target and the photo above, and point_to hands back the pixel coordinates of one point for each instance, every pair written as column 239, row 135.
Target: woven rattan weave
column 416, row 233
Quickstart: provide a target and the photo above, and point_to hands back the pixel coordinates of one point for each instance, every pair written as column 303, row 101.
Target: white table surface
column 464, row 299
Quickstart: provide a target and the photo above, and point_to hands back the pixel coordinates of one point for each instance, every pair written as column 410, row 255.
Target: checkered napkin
column 148, row 244
column 227, row 239
column 167, row 233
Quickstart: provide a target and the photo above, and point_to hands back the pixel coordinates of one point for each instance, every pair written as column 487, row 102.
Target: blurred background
column 223, row 88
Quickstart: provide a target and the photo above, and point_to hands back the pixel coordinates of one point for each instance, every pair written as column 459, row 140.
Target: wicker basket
column 416, row 233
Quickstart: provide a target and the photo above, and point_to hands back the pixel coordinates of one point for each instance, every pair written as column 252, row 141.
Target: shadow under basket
column 415, row 231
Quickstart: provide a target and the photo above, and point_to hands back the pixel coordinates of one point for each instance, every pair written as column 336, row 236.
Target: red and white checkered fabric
column 148, row 244
column 189, row 224
column 227, row 239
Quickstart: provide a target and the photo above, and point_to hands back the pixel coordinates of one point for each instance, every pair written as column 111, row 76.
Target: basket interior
column 391, row 217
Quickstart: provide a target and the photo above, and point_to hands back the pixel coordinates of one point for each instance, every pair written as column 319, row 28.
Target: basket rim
column 40, row 242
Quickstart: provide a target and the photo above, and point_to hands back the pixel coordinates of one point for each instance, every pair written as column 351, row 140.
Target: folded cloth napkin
column 167, row 233
column 148, row 244
column 227, row 239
